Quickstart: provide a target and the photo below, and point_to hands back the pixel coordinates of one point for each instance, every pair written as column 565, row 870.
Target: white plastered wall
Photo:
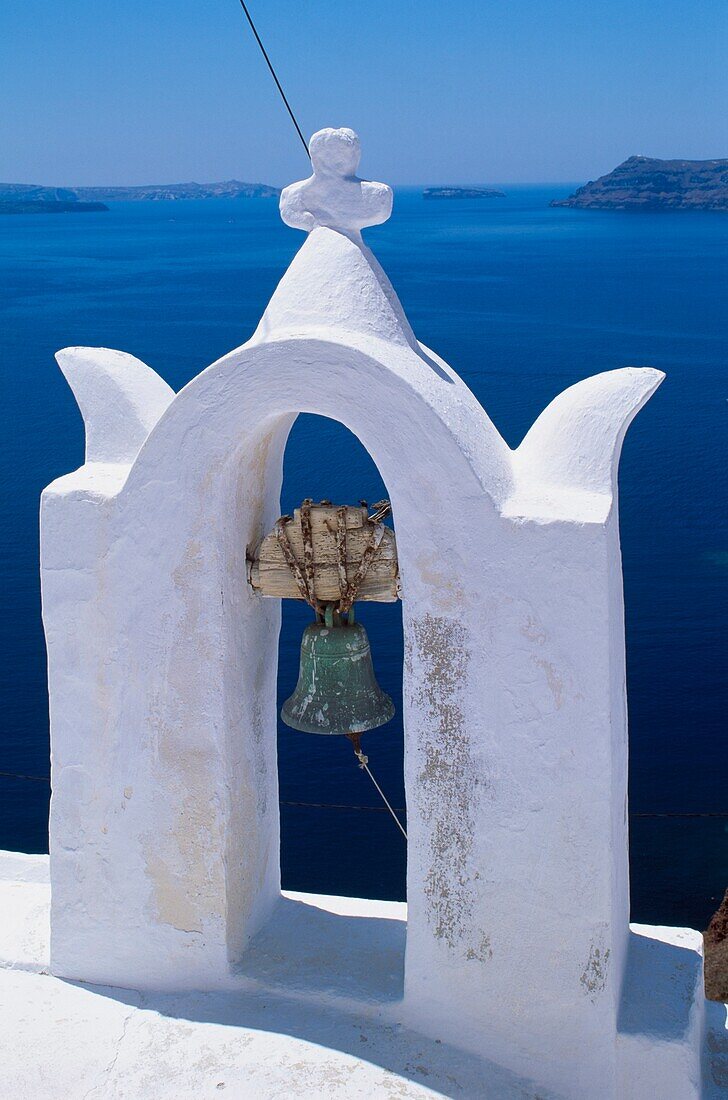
column 162, row 670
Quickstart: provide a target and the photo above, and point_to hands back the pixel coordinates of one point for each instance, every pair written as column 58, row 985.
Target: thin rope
column 364, row 765
column 400, row 826
column 274, row 75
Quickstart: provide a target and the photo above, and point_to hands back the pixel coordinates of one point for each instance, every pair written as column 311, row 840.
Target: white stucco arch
column 162, row 666
column 204, row 487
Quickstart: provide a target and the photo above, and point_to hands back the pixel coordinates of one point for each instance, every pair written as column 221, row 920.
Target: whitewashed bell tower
column 162, row 672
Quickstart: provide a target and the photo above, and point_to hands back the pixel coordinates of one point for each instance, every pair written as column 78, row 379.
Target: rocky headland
column 644, row 183
column 715, row 940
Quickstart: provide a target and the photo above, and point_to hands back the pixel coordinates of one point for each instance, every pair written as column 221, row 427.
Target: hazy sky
column 465, row 91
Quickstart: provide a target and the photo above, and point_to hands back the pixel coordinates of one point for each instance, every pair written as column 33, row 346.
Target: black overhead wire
column 379, row 809
column 268, row 62
column 363, row 760
column 17, row 775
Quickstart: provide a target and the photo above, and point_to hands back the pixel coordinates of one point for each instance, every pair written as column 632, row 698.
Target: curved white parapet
column 120, row 398
column 577, row 439
column 566, row 466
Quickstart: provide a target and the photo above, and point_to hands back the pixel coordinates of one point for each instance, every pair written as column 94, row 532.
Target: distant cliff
column 643, row 183
column 230, row 189
column 49, row 206
column 461, row 193
column 29, row 192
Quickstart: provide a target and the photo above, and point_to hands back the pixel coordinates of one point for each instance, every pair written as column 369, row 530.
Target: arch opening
column 336, row 835
column 337, row 839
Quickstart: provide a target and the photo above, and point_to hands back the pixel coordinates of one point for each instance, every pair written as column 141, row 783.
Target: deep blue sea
column 522, row 300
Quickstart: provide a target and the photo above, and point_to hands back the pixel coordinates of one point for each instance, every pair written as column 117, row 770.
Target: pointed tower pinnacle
column 334, row 196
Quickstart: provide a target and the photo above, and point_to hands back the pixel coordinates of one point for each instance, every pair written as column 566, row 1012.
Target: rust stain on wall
column 594, row 975
column 446, row 780
column 482, row 951
column 553, row 679
column 182, row 860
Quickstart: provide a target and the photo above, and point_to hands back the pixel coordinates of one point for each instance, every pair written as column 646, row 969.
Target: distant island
column 27, row 198
column 49, row 206
column 229, row 189
column 461, row 193
column 644, row 183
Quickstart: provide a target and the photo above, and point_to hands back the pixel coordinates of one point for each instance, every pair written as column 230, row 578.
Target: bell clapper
column 355, row 739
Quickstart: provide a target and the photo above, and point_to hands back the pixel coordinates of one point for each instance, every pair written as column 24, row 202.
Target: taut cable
column 273, row 74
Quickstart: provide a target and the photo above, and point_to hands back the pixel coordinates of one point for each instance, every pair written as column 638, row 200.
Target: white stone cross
column 334, row 196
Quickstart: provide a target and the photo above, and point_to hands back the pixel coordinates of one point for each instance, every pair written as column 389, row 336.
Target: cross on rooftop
column 334, row 196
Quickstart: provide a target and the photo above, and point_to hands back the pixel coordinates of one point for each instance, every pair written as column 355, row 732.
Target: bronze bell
column 337, row 691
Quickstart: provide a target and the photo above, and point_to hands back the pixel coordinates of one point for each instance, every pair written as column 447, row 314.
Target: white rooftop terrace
column 290, row 1025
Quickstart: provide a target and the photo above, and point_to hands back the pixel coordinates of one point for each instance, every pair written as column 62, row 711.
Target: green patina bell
column 337, row 692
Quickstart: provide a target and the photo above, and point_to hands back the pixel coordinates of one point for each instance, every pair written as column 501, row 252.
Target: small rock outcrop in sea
column 715, row 942
column 461, row 193
column 229, row 189
column 643, row 183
